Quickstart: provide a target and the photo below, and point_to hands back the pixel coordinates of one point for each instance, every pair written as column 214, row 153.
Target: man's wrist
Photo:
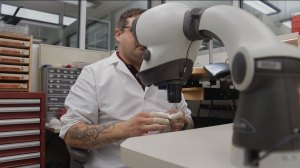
column 189, row 124
column 122, row 131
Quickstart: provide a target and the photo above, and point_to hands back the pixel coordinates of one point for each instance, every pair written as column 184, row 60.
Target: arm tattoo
column 91, row 137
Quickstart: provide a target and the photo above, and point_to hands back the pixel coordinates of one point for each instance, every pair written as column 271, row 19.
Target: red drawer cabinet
column 22, row 129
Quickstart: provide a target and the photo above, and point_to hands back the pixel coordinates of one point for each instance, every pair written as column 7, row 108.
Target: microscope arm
column 172, row 34
column 245, row 39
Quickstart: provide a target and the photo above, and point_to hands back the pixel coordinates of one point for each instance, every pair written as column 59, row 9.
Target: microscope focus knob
column 147, row 55
column 239, row 68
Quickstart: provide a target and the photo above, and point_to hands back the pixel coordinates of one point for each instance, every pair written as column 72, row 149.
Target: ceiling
column 48, row 33
column 102, row 8
column 64, row 7
column 287, row 9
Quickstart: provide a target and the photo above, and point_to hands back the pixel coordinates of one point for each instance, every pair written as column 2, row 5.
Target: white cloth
column 107, row 92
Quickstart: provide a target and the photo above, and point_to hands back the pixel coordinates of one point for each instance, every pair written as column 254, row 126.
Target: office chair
column 78, row 157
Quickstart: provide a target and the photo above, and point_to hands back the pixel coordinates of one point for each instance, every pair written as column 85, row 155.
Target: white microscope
column 266, row 131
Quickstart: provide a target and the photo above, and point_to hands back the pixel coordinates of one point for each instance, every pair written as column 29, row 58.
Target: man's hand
column 177, row 119
column 143, row 122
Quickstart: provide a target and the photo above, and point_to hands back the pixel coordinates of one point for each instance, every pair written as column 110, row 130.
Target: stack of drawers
column 22, row 130
column 15, row 54
column 56, row 83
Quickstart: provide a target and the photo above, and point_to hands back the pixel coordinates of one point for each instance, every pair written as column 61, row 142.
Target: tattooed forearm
column 86, row 132
column 92, row 136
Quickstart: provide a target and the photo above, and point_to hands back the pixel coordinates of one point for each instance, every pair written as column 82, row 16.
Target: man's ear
column 118, row 34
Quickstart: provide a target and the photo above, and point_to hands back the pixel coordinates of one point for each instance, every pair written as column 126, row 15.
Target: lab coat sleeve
column 183, row 106
column 81, row 102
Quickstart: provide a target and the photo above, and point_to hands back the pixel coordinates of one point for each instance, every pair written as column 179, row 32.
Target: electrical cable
column 217, row 115
column 198, row 114
column 210, row 114
column 187, row 53
column 233, row 106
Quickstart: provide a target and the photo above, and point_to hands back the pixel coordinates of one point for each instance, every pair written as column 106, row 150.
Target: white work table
column 208, row 147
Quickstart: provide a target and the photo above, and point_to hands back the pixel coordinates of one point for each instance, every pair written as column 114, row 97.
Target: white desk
column 198, row 148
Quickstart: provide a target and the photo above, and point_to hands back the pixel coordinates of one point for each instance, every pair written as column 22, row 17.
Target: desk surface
column 202, row 147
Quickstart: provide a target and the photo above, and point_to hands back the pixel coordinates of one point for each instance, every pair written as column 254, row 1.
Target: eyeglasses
column 125, row 27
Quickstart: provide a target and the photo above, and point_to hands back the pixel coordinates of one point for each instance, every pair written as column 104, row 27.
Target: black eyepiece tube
column 174, row 93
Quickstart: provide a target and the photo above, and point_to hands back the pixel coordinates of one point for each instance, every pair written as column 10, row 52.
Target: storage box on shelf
column 196, row 93
column 22, row 129
column 15, row 62
column 56, row 83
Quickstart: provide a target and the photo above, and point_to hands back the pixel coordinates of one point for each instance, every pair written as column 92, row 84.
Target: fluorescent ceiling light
column 35, row 15
column 30, row 14
column 263, row 6
column 68, row 20
column 76, row 2
column 287, row 23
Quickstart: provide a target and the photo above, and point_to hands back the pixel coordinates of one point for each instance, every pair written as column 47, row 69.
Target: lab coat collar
column 120, row 65
column 113, row 59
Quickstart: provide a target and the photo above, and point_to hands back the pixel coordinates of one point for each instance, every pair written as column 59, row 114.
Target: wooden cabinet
column 22, row 130
column 196, row 93
column 221, row 91
column 15, row 56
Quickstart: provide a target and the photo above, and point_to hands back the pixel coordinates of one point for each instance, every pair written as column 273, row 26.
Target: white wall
column 58, row 55
column 34, row 70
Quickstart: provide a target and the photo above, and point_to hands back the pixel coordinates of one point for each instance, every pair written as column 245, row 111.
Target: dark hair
column 127, row 14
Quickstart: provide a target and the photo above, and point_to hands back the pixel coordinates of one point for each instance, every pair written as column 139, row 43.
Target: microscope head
column 168, row 59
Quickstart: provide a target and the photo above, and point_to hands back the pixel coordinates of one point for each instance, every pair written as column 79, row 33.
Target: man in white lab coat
column 108, row 103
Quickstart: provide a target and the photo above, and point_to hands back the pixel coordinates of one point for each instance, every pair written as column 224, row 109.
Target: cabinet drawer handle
column 19, row 133
column 20, row 101
column 19, row 145
column 19, row 109
column 19, row 157
column 20, row 121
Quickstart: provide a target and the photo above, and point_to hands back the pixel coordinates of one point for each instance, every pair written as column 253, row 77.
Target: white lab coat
column 107, row 92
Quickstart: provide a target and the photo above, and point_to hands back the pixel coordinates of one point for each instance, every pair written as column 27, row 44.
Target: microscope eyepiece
column 174, row 93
